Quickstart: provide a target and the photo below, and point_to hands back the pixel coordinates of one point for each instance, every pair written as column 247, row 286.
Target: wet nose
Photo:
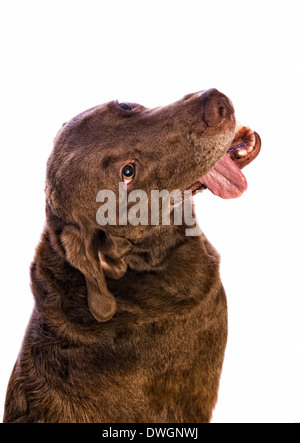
column 216, row 107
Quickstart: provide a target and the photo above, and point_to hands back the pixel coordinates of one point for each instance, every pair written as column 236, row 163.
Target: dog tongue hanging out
column 226, row 179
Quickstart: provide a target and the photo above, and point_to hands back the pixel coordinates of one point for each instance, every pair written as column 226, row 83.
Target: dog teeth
column 244, row 141
column 242, row 152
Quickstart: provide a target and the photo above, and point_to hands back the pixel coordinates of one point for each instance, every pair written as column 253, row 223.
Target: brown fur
column 130, row 322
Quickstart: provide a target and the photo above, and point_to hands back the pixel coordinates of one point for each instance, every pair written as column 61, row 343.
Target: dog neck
column 150, row 252
column 165, row 255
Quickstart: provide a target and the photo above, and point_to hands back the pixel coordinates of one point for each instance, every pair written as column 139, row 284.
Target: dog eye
column 125, row 106
column 128, row 172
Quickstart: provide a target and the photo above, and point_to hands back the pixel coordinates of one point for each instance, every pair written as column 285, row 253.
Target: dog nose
column 216, row 107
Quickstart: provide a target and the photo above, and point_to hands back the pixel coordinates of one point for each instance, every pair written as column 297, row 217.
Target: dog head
column 185, row 146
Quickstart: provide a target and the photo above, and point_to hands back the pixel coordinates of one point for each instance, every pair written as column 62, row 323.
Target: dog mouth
column 226, row 179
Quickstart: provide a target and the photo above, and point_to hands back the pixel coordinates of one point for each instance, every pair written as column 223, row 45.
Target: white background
column 59, row 58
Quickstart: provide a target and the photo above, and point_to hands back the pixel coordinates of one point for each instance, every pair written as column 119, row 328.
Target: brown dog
column 130, row 321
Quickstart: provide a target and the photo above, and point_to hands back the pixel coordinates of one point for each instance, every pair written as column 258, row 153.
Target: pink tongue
column 226, row 179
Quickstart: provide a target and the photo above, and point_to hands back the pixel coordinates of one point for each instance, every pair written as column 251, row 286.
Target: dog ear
column 97, row 256
column 111, row 254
